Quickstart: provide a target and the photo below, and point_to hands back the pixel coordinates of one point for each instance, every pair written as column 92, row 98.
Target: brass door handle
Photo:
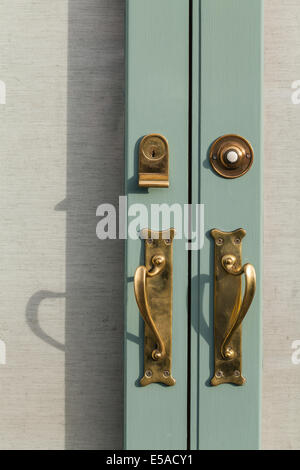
column 140, row 291
column 228, row 263
column 230, row 305
column 153, row 288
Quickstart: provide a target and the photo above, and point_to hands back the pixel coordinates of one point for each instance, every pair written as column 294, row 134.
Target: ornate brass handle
column 238, row 315
column 230, row 308
column 140, row 291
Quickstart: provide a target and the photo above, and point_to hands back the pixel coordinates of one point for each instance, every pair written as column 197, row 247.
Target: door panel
column 227, row 85
column 157, row 102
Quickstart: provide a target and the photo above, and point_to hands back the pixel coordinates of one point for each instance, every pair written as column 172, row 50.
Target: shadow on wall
column 94, row 268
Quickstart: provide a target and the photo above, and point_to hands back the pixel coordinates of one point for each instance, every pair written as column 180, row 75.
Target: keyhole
column 153, row 154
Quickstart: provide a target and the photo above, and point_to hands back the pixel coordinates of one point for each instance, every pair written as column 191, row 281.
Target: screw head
column 229, row 261
column 158, row 260
column 219, row 374
column 237, row 241
column 229, row 353
column 237, row 373
column 166, row 373
column 220, row 241
column 148, row 373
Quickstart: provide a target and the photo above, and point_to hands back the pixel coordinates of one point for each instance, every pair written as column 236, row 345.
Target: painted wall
column 61, row 289
column 61, row 155
column 281, row 384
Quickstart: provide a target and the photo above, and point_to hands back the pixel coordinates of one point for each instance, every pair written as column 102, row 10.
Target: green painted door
column 194, row 74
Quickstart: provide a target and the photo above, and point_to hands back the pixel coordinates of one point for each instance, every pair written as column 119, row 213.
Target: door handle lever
column 153, row 288
column 140, row 291
column 229, row 263
column 230, row 308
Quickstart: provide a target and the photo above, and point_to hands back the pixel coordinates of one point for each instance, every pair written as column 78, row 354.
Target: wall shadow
column 94, row 268
column 32, row 316
column 204, row 328
column 139, row 340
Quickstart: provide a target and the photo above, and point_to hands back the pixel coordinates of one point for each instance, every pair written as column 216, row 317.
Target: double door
column 193, row 164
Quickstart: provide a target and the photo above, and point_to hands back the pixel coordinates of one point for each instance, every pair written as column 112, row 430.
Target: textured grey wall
column 94, row 269
column 61, row 289
column 281, row 386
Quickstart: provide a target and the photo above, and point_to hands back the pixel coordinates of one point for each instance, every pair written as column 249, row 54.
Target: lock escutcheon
column 154, row 162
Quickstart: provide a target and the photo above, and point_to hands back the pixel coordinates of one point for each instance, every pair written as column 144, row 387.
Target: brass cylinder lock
column 231, row 156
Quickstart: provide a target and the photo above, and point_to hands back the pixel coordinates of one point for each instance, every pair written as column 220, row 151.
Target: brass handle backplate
column 153, row 285
column 230, row 308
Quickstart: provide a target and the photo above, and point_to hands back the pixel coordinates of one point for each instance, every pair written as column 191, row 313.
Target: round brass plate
column 154, row 146
column 231, row 156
